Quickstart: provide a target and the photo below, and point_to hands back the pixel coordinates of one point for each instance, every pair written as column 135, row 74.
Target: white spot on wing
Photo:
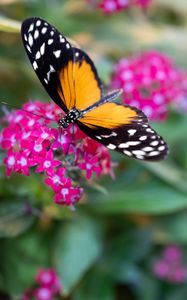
column 28, row 48
column 44, row 29
column 46, row 81
column 36, row 34
column 31, row 27
column 62, row 40
column 154, row 143
column 50, row 41
column 123, row 145
column 25, row 37
column 30, row 40
column 133, row 143
column 111, row 146
column 42, row 49
column 143, row 137
column 50, row 71
column 67, row 45
column 98, row 137
column 138, row 152
column 38, row 55
column 153, row 153
column 52, row 33
column 35, row 66
column 147, row 148
column 38, row 23
column 131, row 131
column 57, row 53
column 161, row 148
column 149, row 130
column 128, row 153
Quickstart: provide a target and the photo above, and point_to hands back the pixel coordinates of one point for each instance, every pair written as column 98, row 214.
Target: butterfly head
column 71, row 117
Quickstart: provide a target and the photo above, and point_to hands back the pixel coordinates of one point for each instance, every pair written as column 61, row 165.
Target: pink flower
column 9, row 138
column 62, row 141
column 30, row 142
column 47, row 163
column 150, row 82
column 172, row 253
column 178, row 275
column 43, row 293
column 170, row 267
column 56, row 178
column 161, row 268
column 10, row 162
column 112, row 6
column 48, row 278
column 90, row 165
column 67, row 194
column 22, row 163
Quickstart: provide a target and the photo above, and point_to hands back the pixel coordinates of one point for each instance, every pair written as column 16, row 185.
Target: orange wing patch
column 78, row 85
column 109, row 115
column 66, row 90
column 87, row 89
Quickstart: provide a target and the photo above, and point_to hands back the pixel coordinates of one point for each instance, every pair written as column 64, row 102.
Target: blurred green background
column 105, row 248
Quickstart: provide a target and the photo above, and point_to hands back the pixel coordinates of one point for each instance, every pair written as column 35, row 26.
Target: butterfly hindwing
column 125, row 129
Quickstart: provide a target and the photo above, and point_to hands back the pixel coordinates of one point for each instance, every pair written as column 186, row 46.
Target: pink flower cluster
column 112, row 6
column 48, row 286
column 170, row 267
column 150, row 82
column 30, row 141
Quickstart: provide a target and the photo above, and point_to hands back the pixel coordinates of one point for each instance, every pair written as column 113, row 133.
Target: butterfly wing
column 51, row 55
column 124, row 129
column 67, row 73
column 70, row 78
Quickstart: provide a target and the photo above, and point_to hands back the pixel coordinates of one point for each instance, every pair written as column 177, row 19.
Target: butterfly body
column 71, row 80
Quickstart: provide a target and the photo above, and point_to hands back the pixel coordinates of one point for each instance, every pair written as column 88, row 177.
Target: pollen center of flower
column 37, row 147
column 31, row 123
column 11, row 160
column 44, row 294
column 44, row 135
column 23, row 161
column 64, row 191
column 88, row 166
column 56, row 179
column 47, row 164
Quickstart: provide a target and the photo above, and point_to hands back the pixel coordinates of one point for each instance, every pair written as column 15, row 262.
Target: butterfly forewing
column 51, row 56
column 70, row 78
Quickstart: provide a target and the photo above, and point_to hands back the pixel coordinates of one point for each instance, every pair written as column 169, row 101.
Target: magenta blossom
column 30, row 142
column 150, row 82
column 48, row 278
column 47, row 286
column 170, row 266
column 112, row 6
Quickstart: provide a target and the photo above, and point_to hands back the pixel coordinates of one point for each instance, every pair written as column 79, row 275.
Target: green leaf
column 13, row 219
column 97, row 285
column 150, row 199
column 20, row 260
column 77, row 247
column 170, row 173
column 173, row 229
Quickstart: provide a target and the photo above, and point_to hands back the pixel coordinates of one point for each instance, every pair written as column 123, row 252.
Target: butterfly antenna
column 30, row 112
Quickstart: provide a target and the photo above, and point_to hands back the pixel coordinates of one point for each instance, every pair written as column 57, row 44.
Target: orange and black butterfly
column 70, row 78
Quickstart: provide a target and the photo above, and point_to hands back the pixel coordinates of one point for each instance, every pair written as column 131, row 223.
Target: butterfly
column 71, row 80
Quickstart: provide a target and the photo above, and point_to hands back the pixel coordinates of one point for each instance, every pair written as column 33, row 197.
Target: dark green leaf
column 78, row 246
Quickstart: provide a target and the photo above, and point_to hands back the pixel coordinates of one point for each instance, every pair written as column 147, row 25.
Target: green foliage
column 105, row 248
